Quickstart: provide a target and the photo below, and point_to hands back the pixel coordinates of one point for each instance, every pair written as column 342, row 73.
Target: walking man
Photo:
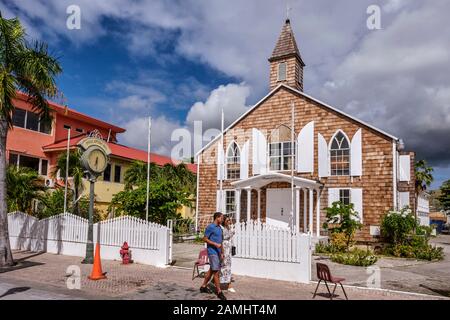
column 213, row 239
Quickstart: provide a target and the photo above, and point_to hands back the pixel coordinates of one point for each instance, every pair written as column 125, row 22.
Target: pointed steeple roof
column 286, row 45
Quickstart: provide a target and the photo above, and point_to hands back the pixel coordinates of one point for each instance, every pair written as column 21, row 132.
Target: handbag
column 233, row 250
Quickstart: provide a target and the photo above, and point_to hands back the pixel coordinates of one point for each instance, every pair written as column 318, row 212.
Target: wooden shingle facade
column 290, row 156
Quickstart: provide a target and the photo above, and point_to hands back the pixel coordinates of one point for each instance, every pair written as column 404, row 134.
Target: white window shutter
column 356, row 154
column 220, row 162
column 405, row 168
column 324, row 166
column 356, row 198
column 403, row 200
column 220, row 201
column 259, row 152
column 305, row 149
column 333, row 196
column 244, row 161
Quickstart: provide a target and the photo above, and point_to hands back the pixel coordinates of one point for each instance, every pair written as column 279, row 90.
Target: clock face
column 97, row 160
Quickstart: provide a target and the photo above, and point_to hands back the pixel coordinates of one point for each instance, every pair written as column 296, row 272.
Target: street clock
column 95, row 160
column 95, row 154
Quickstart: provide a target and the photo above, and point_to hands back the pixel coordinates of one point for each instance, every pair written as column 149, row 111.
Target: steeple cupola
column 286, row 64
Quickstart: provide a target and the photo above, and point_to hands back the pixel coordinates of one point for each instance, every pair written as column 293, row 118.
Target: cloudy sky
column 182, row 60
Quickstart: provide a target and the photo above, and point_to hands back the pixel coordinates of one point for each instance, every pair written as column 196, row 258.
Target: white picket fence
column 66, row 234
column 271, row 252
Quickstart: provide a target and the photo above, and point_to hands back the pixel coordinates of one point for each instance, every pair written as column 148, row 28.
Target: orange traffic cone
column 97, row 273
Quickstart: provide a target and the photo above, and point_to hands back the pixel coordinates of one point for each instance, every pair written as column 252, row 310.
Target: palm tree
column 76, row 171
column 184, row 178
column 136, row 173
column 424, row 178
column 23, row 186
column 30, row 68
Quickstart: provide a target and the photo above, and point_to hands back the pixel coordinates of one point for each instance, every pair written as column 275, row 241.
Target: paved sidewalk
column 401, row 274
column 45, row 274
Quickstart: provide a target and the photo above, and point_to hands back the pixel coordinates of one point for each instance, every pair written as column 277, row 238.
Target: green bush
column 355, row 257
column 397, row 226
column 337, row 243
column 421, row 252
column 344, row 220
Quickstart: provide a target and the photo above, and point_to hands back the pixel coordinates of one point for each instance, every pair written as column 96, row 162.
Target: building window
column 282, row 71
column 36, row 164
column 280, row 156
column 67, row 127
column 233, row 162
column 45, row 126
column 44, row 167
column 29, row 162
column 344, row 196
column 13, row 159
column 280, row 149
column 31, row 121
column 79, row 130
column 107, row 173
column 117, row 173
column 19, row 117
column 340, row 155
column 230, row 202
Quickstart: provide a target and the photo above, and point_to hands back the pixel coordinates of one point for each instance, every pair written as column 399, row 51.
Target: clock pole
column 89, row 259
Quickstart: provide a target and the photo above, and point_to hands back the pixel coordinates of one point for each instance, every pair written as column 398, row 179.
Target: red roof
column 71, row 113
column 121, row 151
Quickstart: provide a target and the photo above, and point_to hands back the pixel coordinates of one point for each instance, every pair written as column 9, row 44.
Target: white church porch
column 300, row 219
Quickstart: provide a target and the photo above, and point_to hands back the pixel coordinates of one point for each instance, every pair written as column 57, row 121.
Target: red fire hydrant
column 125, row 253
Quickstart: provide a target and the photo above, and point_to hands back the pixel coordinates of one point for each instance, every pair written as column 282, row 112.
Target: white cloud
column 397, row 80
column 231, row 98
column 137, row 132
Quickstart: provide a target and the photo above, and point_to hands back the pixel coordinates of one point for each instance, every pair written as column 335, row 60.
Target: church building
column 290, row 156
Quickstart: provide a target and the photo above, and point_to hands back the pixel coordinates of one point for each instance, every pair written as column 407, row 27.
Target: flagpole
column 292, row 167
column 148, row 166
column 223, row 162
column 67, row 170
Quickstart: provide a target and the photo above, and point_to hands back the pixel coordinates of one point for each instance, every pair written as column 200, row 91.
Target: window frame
column 343, row 196
column 110, row 171
column 235, row 166
column 283, row 158
column 284, row 63
column 115, row 173
column 233, row 204
column 39, row 122
column 41, row 160
column 330, row 155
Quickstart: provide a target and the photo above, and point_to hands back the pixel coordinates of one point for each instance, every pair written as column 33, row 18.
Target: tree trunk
column 6, row 258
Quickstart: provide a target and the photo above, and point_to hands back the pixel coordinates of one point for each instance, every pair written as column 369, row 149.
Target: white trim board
column 304, row 95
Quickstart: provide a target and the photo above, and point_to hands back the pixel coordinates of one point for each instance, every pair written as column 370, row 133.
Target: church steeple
column 286, row 64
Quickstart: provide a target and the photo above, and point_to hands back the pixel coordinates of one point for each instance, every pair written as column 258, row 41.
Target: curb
column 387, row 292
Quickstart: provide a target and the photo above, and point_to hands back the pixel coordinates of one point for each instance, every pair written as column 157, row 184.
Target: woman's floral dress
column 225, row 271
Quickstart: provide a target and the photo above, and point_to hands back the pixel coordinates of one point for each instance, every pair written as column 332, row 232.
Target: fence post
column 169, row 241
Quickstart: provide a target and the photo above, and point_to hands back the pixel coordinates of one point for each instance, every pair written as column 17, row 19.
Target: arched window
column 233, row 162
column 280, row 149
column 340, row 155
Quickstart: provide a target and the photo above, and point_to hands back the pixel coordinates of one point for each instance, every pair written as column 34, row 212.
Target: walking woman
column 225, row 271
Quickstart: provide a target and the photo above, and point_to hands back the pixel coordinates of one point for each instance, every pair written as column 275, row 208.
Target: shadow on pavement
column 15, row 290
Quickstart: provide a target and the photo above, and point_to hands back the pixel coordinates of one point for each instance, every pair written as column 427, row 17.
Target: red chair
column 201, row 261
column 324, row 274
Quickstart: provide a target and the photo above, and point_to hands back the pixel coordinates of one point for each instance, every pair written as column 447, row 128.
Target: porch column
column 311, row 204
column 238, row 205
column 305, row 211
column 259, row 204
column 318, row 212
column 249, row 203
column 297, row 209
